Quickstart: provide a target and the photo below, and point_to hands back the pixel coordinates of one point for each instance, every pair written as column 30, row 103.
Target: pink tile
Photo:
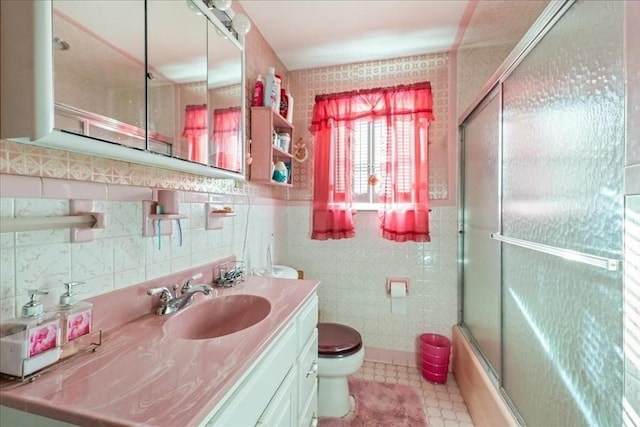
column 195, row 197
column 385, row 355
column 370, row 353
column 399, row 358
column 20, row 186
column 128, row 193
column 65, row 189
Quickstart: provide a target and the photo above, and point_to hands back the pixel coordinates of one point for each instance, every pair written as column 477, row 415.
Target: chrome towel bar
column 596, row 261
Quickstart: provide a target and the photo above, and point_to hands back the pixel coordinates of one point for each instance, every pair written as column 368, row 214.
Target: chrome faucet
column 170, row 302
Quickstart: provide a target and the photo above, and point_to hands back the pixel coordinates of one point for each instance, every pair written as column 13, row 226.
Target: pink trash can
column 435, row 352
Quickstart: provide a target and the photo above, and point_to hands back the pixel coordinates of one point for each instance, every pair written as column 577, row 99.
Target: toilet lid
column 337, row 340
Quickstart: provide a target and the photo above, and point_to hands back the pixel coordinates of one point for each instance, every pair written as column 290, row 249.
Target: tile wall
column 119, row 256
column 354, row 273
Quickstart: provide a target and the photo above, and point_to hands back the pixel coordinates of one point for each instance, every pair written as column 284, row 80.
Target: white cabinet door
column 283, row 409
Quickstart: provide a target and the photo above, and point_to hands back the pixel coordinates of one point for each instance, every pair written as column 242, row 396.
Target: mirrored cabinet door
column 226, row 110
column 177, row 79
column 99, row 69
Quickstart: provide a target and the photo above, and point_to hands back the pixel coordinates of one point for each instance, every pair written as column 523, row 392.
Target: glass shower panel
column 481, row 296
column 564, row 135
column 562, row 334
column 631, row 400
column 563, row 148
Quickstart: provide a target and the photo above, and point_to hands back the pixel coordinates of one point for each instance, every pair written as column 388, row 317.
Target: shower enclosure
column 542, row 209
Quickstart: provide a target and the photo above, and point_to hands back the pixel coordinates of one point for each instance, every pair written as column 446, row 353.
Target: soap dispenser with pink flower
column 76, row 318
column 30, row 342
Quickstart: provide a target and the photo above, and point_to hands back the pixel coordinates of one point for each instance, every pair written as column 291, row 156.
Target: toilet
column 340, row 353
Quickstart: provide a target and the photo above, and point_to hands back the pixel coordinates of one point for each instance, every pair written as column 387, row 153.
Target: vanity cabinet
column 282, row 385
column 265, row 153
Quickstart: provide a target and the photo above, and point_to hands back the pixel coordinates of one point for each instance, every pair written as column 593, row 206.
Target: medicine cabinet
column 155, row 82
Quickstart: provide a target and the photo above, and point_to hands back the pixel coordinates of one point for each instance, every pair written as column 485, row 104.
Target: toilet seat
column 336, row 340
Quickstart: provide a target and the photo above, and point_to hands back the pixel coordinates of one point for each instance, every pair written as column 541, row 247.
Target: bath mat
column 381, row 405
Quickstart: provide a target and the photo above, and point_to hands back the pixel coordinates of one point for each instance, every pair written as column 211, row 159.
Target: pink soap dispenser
column 30, row 342
column 76, row 318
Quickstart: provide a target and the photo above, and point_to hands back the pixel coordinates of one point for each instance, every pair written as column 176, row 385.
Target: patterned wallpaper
column 306, row 84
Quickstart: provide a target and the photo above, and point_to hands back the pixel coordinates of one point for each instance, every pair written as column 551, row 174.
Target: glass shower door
column 481, row 255
column 562, row 200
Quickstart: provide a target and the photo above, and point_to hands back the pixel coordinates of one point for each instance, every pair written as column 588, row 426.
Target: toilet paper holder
column 397, row 280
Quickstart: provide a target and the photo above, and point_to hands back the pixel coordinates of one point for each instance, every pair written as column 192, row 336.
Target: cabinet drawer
column 309, row 411
column 307, row 320
column 308, row 367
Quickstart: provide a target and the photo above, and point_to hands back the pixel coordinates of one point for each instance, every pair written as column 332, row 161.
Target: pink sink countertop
column 141, row 376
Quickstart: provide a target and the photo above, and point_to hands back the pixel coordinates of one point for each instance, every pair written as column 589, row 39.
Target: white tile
column 125, row 219
column 128, row 253
column 91, row 259
column 8, row 308
column 157, row 249
column 44, row 266
column 7, row 274
column 122, row 279
column 153, row 271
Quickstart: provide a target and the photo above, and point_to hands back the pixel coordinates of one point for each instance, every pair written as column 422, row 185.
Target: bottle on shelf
column 278, row 86
column 289, row 115
column 271, row 90
column 258, row 92
column 284, row 102
column 30, row 342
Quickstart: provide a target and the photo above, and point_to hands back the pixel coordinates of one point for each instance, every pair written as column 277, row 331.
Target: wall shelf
column 216, row 215
column 264, row 122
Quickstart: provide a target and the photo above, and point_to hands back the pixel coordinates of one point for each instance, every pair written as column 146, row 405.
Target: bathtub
column 486, row 405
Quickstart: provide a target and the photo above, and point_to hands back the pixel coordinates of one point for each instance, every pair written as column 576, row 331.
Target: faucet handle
column 165, row 294
column 187, row 283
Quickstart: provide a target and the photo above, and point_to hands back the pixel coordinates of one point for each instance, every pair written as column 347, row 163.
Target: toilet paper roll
column 398, row 291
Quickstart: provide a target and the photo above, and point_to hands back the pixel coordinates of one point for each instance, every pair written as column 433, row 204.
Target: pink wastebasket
column 435, row 352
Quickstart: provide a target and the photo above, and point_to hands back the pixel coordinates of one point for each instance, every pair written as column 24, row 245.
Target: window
column 371, row 148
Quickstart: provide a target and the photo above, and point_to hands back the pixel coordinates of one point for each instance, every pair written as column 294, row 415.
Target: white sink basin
column 280, row 272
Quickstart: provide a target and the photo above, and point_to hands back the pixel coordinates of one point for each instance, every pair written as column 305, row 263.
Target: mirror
column 225, row 96
column 186, row 103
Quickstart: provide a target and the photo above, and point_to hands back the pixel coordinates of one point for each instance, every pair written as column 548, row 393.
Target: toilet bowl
column 340, row 353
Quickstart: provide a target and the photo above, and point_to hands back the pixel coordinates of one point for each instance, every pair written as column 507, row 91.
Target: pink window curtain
column 406, row 111
column 226, row 138
column 405, row 215
column 195, row 130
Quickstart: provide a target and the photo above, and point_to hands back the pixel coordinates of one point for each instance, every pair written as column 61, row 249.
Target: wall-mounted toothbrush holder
column 216, row 215
column 154, row 223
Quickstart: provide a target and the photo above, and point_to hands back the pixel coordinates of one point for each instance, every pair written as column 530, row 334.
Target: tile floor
column 443, row 403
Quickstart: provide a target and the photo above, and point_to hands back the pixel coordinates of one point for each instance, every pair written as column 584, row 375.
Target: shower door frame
column 494, row 87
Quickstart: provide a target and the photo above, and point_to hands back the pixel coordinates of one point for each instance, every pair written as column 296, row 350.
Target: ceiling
column 317, row 33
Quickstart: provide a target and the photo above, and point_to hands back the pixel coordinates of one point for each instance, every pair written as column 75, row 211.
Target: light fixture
column 236, row 23
column 241, row 23
column 223, row 5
